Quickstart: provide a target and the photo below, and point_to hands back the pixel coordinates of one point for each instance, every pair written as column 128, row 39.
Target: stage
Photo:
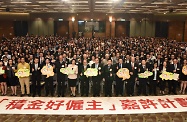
column 93, row 105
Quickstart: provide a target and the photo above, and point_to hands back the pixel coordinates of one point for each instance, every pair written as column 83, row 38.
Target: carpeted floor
column 164, row 117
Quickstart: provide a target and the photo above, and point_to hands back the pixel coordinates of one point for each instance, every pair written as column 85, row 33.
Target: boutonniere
column 135, row 67
column 99, row 68
column 62, row 65
column 38, row 68
column 110, row 69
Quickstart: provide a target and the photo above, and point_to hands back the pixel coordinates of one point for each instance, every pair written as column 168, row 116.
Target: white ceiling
column 104, row 6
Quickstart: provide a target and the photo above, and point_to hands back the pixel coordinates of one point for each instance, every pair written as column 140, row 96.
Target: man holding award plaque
column 97, row 79
column 60, row 76
column 133, row 68
column 48, row 73
column 143, row 81
column 36, row 77
column 119, row 81
column 24, row 80
column 84, row 79
column 108, row 73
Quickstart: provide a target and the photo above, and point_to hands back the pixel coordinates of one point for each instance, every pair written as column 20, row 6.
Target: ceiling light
column 60, row 19
column 73, row 19
column 110, row 19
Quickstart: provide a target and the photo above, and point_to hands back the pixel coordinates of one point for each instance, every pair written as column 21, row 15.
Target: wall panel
column 176, row 30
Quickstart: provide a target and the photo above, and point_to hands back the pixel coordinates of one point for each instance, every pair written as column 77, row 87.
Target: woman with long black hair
column 11, row 67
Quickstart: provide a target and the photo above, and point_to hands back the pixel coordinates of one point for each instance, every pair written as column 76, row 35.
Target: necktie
column 96, row 66
column 36, row 67
column 132, row 65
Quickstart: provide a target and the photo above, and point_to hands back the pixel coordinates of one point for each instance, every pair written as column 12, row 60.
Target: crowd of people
column 108, row 55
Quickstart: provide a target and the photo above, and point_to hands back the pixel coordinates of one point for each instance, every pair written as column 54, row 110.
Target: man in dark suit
column 159, row 60
column 97, row 79
column 119, row 81
column 84, row 79
column 108, row 74
column 174, row 68
column 60, row 77
column 65, row 58
column 154, row 79
column 36, row 77
column 143, row 81
column 41, row 59
column 133, row 70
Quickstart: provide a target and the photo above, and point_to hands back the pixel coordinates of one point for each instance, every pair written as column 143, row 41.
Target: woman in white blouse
column 72, row 78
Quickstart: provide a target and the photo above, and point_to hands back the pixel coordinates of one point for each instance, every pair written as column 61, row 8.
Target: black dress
column 11, row 76
column 183, row 77
column 2, row 79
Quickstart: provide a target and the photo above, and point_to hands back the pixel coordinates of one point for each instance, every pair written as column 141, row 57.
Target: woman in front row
column 3, row 78
column 11, row 77
column 183, row 78
column 72, row 78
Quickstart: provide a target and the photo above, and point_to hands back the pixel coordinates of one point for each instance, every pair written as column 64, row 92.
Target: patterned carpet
column 164, row 117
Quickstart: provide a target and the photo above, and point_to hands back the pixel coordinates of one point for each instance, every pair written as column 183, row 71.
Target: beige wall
column 142, row 28
column 41, row 27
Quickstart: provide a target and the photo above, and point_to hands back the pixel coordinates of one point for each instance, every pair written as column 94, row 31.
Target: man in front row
column 97, row 79
column 133, row 70
column 119, row 81
column 108, row 74
column 143, row 81
column 84, row 79
column 36, row 77
column 24, row 80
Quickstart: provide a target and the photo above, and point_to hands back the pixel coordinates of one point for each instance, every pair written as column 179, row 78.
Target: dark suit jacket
column 142, row 70
column 58, row 66
column 100, row 76
column 36, row 74
column 157, row 75
column 161, row 62
column 172, row 68
column 82, row 70
column 133, row 70
column 107, row 72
